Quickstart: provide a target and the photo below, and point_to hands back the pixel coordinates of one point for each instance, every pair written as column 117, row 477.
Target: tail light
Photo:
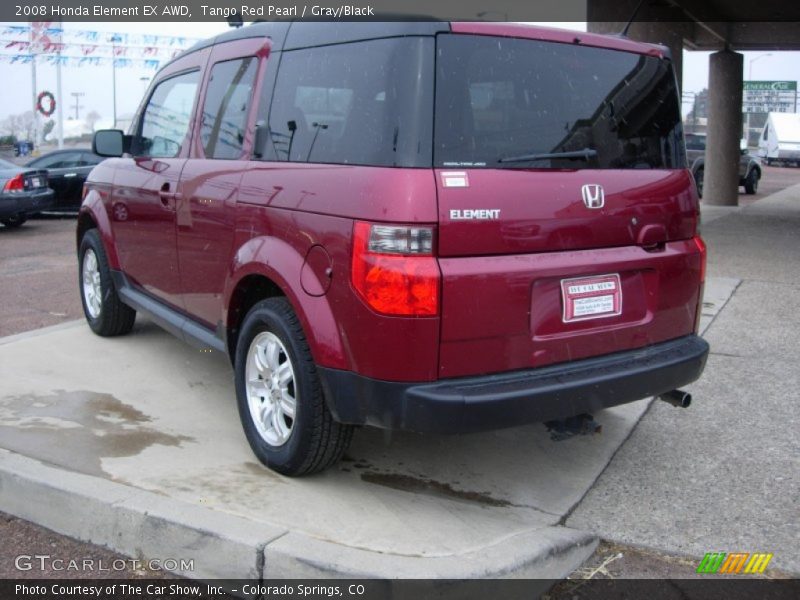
column 701, row 246
column 15, row 184
column 394, row 270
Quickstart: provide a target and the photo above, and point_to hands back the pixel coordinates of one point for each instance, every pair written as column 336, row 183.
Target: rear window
column 695, row 142
column 505, row 102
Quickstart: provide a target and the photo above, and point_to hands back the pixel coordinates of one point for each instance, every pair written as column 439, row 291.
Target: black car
column 67, row 171
column 23, row 192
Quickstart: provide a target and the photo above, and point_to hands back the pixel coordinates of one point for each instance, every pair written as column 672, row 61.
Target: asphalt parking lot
column 632, row 501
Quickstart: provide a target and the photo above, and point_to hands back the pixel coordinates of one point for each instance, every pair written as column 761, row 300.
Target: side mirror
column 108, row 142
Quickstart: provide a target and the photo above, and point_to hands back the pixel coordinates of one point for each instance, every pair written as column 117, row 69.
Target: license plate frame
column 591, row 297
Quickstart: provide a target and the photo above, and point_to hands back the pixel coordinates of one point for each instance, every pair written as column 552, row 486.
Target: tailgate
column 496, row 211
column 501, row 313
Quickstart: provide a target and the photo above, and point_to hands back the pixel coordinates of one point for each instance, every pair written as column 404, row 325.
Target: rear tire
column 280, row 399
column 14, row 222
column 105, row 313
column 751, row 182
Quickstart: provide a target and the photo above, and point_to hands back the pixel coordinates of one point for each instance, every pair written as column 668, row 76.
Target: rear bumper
column 25, row 203
column 488, row 402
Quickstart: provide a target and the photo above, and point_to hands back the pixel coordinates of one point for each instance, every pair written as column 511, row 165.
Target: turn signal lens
column 394, row 270
column 15, row 184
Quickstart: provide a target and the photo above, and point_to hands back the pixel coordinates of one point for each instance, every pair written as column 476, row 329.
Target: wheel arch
column 266, row 267
column 92, row 215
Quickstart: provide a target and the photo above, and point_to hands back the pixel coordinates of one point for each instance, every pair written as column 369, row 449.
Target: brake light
column 698, row 312
column 394, row 270
column 701, row 246
column 15, row 184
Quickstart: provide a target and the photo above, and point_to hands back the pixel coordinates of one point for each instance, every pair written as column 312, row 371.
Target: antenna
column 624, row 32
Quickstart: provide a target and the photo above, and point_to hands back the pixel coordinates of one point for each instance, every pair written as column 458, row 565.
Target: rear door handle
column 70, row 174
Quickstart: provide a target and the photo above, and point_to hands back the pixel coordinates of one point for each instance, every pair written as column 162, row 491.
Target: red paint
column 557, row 35
column 499, row 297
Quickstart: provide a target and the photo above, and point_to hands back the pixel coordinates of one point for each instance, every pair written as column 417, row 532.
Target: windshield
column 502, row 99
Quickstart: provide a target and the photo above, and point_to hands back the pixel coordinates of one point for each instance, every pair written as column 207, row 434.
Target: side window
column 166, row 118
column 62, row 160
column 362, row 103
column 228, row 98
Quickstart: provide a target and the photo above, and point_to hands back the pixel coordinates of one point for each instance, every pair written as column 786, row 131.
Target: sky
column 95, row 81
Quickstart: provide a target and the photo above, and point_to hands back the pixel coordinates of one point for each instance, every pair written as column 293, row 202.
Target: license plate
column 36, row 182
column 595, row 297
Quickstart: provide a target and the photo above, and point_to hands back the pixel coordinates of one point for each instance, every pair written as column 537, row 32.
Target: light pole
column 114, row 39
column 750, row 78
column 750, row 64
column 78, row 107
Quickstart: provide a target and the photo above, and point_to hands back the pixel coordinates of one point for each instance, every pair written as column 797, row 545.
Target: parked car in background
column 780, row 139
column 23, row 192
column 67, row 171
column 520, row 246
column 749, row 165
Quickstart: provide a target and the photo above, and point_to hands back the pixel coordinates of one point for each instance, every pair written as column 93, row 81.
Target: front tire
column 15, row 221
column 280, row 399
column 751, row 182
column 104, row 311
column 698, row 179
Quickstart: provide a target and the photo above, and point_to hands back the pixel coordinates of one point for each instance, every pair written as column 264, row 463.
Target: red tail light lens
column 701, row 246
column 394, row 270
column 15, row 184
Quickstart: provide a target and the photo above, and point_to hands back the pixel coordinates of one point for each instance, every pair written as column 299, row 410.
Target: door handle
column 167, row 197
column 70, row 174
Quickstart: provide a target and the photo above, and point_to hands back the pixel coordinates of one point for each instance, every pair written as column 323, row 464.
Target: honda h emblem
column 593, row 196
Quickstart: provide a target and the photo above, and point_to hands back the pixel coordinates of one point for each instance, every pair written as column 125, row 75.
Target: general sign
column 769, row 96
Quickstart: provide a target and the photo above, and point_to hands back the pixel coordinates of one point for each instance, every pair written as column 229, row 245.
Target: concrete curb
column 546, row 553
column 144, row 524
column 15, row 337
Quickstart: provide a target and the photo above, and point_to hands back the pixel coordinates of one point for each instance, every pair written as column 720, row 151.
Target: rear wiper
column 584, row 154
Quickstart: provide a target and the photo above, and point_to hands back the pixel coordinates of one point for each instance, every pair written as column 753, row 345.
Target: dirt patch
column 429, row 487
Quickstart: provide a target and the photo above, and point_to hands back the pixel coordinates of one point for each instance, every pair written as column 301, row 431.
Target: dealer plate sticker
column 591, row 297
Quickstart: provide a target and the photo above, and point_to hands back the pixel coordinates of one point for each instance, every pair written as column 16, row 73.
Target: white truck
column 780, row 139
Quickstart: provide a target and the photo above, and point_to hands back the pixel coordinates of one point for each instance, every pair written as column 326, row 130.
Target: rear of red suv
column 469, row 227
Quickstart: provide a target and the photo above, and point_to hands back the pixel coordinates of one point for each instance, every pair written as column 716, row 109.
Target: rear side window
column 166, row 118
column 228, row 97
column 363, row 103
column 500, row 100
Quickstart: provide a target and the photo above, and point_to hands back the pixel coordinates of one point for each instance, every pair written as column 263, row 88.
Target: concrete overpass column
column 721, row 182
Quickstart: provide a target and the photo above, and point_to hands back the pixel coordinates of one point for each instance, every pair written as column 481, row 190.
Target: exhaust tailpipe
column 677, row 398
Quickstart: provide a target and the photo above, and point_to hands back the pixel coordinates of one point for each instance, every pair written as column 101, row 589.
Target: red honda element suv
column 437, row 227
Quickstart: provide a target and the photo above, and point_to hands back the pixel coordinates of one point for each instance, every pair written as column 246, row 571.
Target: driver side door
column 146, row 184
